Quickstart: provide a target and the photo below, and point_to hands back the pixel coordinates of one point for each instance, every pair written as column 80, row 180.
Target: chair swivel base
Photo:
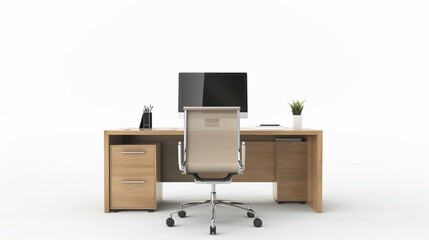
column 213, row 203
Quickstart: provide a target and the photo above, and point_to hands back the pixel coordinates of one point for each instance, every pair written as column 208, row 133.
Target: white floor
column 361, row 201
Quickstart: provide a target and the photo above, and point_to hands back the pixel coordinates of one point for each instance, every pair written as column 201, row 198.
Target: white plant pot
column 297, row 122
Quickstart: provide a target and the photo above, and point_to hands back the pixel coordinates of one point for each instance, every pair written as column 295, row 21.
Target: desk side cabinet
column 134, row 176
column 291, row 172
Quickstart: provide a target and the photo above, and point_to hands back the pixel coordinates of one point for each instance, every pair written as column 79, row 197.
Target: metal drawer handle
column 133, row 181
column 142, row 152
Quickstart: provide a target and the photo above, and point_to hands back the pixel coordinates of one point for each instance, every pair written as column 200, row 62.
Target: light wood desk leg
column 314, row 174
column 106, row 173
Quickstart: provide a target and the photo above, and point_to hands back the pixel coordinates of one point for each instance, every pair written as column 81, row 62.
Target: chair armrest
column 179, row 157
column 242, row 157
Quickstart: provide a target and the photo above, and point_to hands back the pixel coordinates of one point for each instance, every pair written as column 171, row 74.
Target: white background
column 71, row 69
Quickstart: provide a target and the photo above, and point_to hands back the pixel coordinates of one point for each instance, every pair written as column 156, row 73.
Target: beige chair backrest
column 212, row 138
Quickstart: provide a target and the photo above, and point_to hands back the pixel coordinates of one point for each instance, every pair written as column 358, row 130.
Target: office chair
column 212, row 146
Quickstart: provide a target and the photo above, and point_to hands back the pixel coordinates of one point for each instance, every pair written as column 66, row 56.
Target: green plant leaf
column 297, row 107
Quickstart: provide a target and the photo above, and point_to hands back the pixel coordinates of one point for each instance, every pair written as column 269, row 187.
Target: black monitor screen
column 213, row 89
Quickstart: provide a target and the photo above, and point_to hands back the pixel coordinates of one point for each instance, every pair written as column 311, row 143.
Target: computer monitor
column 213, row 89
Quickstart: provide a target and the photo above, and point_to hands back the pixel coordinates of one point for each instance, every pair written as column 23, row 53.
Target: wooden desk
column 294, row 167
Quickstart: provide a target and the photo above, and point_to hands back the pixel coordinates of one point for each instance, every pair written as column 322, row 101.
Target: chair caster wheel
column 182, row 214
column 257, row 222
column 170, row 222
column 250, row 215
column 212, row 230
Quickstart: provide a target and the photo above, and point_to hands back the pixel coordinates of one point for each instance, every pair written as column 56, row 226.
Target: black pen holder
column 146, row 121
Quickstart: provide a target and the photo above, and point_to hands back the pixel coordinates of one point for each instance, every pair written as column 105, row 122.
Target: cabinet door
column 133, row 176
column 291, row 171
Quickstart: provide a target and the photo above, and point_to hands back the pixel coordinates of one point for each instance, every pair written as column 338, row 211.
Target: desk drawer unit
column 291, row 172
column 133, row 176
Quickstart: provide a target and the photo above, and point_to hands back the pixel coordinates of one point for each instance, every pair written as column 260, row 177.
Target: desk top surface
column 243, row 131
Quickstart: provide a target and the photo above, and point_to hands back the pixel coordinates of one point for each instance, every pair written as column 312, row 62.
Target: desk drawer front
column 133, row 193
column 131, row 156
column 133, row 176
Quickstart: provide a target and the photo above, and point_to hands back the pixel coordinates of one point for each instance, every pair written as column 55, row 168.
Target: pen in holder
column 146, row 121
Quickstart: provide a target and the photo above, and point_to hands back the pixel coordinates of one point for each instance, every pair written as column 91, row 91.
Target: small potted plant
column 296, row 107
column 146, row 121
